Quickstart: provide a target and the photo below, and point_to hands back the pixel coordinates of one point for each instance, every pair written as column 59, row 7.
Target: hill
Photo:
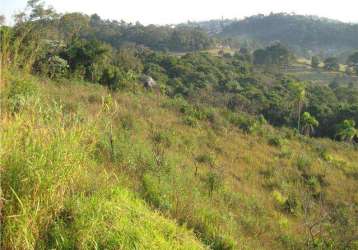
column 305, row 34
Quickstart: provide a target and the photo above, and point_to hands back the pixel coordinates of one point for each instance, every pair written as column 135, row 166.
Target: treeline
column 67, row 26
column 301, row 33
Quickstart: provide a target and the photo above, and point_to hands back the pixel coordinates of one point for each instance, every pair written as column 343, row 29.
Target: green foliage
column 117, row 79
column 276, row 141
column 308, row 123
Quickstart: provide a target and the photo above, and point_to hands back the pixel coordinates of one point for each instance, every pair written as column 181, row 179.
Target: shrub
column 191, row 121
column 275, row 141
column 247, row 124
column 287, row 204
column 116, row 79
column 19, row 91
column 303, row 163
column 313, row 183
column 290, row 205
column 206, row 159
column 279, row 198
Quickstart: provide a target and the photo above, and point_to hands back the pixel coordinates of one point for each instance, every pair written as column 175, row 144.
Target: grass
column 116, row 218
column 83, row 168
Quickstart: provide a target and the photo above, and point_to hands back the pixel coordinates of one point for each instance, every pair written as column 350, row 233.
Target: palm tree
column 299, row 97
column 347, row 130
column 309, row 122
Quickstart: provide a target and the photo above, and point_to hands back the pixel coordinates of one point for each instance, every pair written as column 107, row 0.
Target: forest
column 117, row 135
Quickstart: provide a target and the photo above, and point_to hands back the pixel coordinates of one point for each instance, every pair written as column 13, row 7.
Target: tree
column 347, row 130
column 84, row 54
column 276, row 54
column 39, row 11
column 72, row 25
column 352, row 62
column 308, row 123
column 331, row 64
column 315, row 62
column 298, row 91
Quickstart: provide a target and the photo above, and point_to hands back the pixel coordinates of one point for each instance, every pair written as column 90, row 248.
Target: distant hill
column 304, row 34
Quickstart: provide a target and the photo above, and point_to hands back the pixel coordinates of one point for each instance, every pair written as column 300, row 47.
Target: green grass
column 112, row 219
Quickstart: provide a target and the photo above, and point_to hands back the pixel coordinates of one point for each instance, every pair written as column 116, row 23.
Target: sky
column 177, row 11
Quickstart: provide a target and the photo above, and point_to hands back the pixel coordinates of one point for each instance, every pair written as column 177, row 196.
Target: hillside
column 305, row 34
column 85, row 168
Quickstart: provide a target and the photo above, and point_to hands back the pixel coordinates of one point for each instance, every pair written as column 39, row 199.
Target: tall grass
column 49, row 168
column 82, row 169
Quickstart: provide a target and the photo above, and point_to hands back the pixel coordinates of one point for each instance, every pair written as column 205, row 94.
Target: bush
column 275, row 141
column 116, row 79
column 19, row 91
column 57, row 67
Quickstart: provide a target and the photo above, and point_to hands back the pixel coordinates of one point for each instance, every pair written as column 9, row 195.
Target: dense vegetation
column 92, row 157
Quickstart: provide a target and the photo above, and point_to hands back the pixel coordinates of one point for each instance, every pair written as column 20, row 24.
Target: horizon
column 150, row 13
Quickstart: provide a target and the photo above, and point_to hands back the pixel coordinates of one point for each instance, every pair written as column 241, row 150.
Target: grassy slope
column 76, row 163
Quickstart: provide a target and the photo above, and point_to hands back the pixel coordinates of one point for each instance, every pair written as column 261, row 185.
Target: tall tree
column 298, row 91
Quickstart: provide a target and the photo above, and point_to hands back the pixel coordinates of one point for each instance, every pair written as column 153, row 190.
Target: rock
column 148, row 81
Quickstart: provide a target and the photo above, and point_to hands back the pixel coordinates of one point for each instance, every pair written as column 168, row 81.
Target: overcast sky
column 175, row 11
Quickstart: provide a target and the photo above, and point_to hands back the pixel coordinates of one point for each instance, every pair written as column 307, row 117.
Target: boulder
column 148, row 81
